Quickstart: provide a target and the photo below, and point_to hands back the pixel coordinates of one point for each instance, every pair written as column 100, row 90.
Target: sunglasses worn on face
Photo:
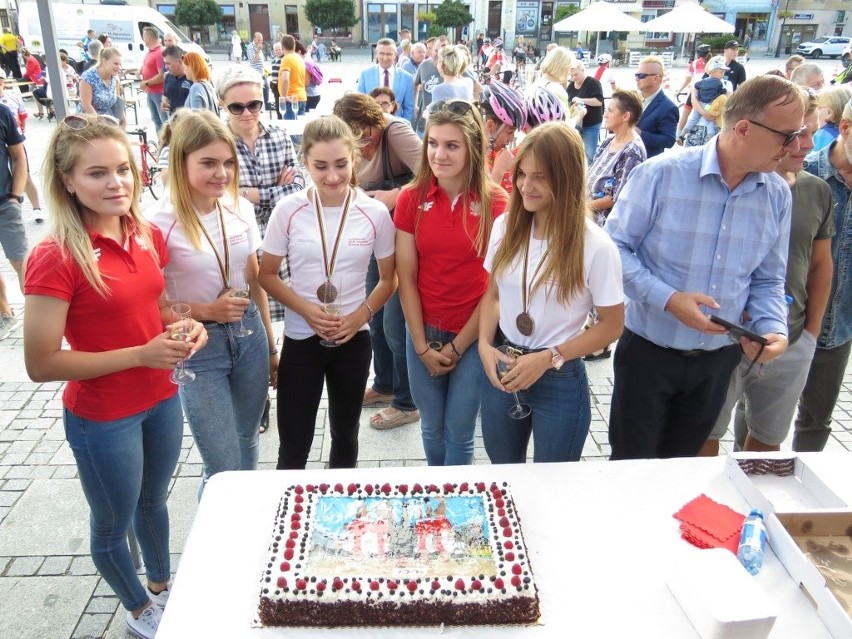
column 77, row 121
column 458, row 107
column 237, row 108
column 642, row 76
column 788, row 137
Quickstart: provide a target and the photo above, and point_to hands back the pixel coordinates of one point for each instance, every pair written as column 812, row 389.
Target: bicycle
column 151, row 174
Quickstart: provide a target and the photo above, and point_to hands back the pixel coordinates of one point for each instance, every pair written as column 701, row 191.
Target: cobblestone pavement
column 49, row 588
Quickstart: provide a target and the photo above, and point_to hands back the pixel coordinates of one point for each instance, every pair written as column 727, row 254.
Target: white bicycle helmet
column 604, row 58
column 497, row 42
column 543, row 106
column 504, row 103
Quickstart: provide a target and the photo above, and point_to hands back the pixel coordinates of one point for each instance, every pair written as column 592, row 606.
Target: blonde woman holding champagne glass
column 212, row 236
column 96, row 279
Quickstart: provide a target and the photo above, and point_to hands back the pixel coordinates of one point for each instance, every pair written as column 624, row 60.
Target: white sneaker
column 38, row 216
column 145, row 627
column 160, row 598
column 7, row 325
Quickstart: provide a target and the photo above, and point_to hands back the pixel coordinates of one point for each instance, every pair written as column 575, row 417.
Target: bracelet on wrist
column 453, row 346
column 369, row 309
column 273, row 351
column 425, row 350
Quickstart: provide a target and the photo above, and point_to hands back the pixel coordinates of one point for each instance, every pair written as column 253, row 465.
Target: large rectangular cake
column 382, row 555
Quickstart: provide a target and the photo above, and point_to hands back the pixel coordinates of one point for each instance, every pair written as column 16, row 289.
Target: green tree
column 331, row 14
column 197, row 14
column 430, row 18
column 564, row 11
column 452, row 14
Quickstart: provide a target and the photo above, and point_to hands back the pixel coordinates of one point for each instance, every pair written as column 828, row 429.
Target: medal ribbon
column 526, row 289
column 329, row 265
column 224, row 268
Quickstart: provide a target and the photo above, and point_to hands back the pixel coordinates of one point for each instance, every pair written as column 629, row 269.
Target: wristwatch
column 12, row 196
column 557, row 360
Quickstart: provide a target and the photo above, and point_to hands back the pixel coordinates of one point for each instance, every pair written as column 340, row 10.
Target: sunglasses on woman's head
column 237, row 108
column 458, row 107
column 77, row 121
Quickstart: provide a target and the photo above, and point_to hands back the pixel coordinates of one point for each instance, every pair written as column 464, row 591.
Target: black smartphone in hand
column 739, row 331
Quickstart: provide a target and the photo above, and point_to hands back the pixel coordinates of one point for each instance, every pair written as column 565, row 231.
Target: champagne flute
column 180, row 328
column 330, row 296
column 504, row 364
column 240, row 288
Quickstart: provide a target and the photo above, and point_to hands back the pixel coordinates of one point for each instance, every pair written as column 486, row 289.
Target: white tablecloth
column 601, row 539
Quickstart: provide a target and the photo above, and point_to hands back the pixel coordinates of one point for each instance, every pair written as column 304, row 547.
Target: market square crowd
column 459, row 222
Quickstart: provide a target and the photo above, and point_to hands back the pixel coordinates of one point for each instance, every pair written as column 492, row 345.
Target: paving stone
column 92, row 626
column 45, row 608
column 13, row 459
column 65, row 472
column 82, row 566
column 40, row 459
column 61, row 529
column 9, row 497
column 102, row 605
column 55, row 566
column 24, row 566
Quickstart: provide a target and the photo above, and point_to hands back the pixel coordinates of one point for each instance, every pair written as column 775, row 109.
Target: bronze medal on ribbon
column 524, row 321
column 525, row 324
column 327, row 292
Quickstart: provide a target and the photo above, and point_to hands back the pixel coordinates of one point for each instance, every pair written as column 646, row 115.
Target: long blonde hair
column 191, row 131
column 473, row 130
column 558, row 149
column 68, row 228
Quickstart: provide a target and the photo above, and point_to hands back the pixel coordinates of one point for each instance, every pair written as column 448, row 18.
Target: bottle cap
column 756, row 512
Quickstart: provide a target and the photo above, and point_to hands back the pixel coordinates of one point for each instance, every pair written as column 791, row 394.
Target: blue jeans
column 448, row 405
column 559, row 422
column 125, row 467
column 591, row 135
column 224, row 404
column 387, row 335
column 158, row 116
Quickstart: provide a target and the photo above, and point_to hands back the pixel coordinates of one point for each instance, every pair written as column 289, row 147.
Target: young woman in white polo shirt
column 212, row 238
column 328, row 234
column 549, row 264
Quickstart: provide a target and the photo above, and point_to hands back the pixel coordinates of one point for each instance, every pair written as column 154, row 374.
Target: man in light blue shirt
column 700, row 232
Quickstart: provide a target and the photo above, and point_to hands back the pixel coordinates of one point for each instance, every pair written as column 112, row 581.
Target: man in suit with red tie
column 658, row 124
column 386, row 74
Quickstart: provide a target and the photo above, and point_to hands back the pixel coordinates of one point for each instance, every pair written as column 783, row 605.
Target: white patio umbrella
column 688, row 17
column 600, row 16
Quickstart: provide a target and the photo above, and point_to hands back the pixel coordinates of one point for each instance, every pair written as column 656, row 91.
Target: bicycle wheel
column 155, row 182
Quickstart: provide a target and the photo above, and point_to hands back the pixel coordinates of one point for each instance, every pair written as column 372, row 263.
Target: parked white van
column 123, row 23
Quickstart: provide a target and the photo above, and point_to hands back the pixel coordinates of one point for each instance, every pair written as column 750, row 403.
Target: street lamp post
column 781, row 29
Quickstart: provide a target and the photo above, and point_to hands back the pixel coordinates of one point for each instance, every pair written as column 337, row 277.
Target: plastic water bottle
column 752, row 542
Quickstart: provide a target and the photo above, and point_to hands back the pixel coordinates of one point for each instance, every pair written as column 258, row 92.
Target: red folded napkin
column 709, row 524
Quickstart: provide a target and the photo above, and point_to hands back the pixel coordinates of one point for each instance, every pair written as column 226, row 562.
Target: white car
column 846, row 56
column 831, row 46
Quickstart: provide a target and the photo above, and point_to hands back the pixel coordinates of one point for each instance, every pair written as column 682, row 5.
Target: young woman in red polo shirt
column 97, row 280
column 443, row 220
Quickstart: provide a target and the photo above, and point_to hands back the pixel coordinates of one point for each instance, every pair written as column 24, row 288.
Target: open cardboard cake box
column 809, row 528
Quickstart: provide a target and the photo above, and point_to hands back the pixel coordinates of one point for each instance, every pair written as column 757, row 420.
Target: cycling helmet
column 504, row 103
column 703, row 49
column 543, row 106
column 497, row 42
column 604, row 58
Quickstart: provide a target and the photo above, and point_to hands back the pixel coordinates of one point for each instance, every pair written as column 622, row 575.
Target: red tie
column 387, row 78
